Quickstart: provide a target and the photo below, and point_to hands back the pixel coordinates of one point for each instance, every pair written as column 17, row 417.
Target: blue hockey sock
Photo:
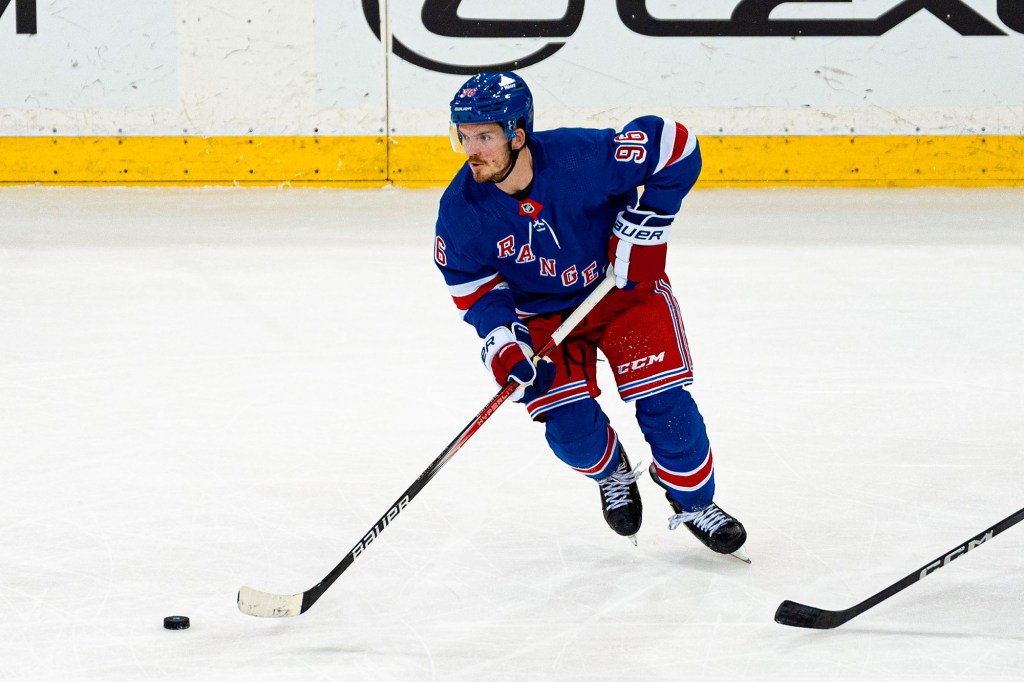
column 580, row 435
column 674, row 428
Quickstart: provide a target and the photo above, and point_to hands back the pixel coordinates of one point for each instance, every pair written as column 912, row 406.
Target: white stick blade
column 266, row 605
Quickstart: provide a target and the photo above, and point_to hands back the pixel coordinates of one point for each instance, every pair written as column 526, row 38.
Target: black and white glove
column 638, row 246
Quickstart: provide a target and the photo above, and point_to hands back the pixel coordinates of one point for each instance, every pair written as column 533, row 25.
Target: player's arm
column 660, row 155
column 663, row 157
column 480, row 293
column 484, row 300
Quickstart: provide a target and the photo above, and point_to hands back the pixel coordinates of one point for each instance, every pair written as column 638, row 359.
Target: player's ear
column 519, row 141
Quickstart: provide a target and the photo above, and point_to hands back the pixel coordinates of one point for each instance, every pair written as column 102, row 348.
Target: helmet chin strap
column 514, row 153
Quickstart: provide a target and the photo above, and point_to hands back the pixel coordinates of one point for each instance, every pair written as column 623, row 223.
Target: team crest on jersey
column 530, row 208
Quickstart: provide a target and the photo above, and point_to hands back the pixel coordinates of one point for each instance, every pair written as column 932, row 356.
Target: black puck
column 176, row 622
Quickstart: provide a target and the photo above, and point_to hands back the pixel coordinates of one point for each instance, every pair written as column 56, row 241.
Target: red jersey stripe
column 466, row 295
column 682, row 135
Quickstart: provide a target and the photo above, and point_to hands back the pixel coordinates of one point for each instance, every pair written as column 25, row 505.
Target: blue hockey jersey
column 505, row 259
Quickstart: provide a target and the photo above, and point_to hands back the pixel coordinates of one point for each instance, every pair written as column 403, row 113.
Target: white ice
column 203, row 389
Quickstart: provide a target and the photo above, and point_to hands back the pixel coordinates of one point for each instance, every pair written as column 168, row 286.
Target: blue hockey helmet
column 491, row 97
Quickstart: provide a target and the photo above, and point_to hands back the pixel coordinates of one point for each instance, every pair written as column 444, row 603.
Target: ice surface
column 201, row 389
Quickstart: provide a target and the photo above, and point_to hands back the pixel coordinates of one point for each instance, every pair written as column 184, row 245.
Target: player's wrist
column 504, row 349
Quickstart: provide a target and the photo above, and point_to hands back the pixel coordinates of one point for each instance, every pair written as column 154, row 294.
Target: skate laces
column 709, row 519
column 615, row 488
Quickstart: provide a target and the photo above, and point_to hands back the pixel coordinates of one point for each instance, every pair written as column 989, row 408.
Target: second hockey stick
column 803, row 616
column 266, row 604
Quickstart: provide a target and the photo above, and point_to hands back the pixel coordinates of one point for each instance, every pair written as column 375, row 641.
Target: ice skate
column 620, row 499
column 712, row 525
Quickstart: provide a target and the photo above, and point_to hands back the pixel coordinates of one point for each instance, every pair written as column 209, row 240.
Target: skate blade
column 632, row 538
column 742, row 555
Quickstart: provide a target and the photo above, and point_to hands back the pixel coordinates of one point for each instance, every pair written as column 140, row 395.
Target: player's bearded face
column 487, row 150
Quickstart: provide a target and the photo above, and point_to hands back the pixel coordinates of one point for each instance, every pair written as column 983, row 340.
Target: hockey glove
column 638, row 246
column 508, row 353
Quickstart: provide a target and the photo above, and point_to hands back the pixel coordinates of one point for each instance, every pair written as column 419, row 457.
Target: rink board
column 349, row 93
column 340, row 161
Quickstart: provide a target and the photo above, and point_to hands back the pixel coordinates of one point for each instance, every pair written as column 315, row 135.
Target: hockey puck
column 176, row 622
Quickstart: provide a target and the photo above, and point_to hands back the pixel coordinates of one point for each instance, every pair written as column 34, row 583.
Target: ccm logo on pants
column 641, row 363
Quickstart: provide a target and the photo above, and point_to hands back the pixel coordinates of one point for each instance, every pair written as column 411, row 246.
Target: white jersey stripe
column 467, row 289
column 667, row 144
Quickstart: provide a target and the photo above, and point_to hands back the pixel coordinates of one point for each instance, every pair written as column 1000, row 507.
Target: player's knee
column 578, row 433
column 574, row 421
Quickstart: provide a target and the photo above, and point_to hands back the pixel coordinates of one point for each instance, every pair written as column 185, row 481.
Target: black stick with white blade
column 265, row 604
column 803, row 616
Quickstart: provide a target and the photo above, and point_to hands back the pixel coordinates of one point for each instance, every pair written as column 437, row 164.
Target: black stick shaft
column 803, row 616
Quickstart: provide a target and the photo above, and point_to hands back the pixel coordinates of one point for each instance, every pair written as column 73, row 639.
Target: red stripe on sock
column 609, row 450
column 688, row 481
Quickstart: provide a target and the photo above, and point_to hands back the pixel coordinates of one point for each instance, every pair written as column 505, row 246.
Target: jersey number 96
column 631, row 146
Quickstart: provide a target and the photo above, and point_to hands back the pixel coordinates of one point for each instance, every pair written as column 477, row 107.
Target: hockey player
column 527, row 227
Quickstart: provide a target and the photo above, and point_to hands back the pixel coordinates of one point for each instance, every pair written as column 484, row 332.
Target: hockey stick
column 803, row 616
column 265, row 604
